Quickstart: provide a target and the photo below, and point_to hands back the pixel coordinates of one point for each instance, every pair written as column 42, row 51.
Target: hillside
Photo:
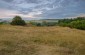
column 18, row 40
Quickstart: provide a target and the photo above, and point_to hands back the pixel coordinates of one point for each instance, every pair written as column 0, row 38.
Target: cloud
column 7, row 0
column 32, row 1
column 7, row 13
column 11, row 13
column 42, row 8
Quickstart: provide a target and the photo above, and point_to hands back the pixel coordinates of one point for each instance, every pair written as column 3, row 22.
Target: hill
column 19, row 40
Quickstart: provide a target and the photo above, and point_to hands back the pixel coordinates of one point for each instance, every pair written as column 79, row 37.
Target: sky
column 42, row 9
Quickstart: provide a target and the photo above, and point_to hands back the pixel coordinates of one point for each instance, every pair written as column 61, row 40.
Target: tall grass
column 18, row 40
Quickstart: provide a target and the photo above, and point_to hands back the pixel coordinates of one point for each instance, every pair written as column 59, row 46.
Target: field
column 19, row 40
column 40, row 21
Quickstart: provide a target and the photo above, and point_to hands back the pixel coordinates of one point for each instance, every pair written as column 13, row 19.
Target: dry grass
column 18, row 40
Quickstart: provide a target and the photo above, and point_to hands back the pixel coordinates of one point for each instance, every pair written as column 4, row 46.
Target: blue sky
column 42, row 9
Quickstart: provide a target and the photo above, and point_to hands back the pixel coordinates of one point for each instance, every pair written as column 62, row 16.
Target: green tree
column 78, row 24
column 17, row 20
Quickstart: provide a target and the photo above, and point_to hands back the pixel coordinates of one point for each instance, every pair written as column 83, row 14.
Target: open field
column 40, row 21
column 18, row 40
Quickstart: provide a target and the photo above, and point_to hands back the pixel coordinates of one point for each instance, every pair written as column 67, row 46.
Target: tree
column 78, row 24
column 17, row 20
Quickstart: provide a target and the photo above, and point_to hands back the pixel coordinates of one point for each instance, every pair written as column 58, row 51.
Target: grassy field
column 18, row 40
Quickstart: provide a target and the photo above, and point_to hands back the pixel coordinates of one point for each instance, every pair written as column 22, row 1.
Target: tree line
column 17, row 20
column 78, row 23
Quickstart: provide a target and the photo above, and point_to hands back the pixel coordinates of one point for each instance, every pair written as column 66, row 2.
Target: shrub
column 35, row 23
column 78, row 24
column 1, row 23
column 17, row 20
column 64, row 24
column 44, row 23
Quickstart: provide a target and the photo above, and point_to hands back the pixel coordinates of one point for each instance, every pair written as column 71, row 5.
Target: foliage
column 17, row 20
column 35, row 23
column 1, row 22
column 49, row 23
column 44, row 23
column 78, row 23
column 4, row 22
column 65, row 20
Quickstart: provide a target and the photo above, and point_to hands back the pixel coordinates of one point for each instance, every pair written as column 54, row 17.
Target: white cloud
column 10, row 13
column 7, row 13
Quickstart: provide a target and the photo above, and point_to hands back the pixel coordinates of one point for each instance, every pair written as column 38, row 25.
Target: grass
column 19, row 40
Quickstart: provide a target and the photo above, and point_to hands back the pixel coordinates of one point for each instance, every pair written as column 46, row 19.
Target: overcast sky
column 42, row 9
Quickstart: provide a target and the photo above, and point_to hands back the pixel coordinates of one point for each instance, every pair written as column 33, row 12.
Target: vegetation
column 17, row 20
column 78, row 23
column 1, row 22
column 53, row 40
column 18, row 40
column 43, row 23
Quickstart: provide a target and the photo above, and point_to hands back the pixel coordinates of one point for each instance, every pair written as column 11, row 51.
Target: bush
column 44, row 23
column 38, row 24
column 35, row 23
column 78, row 24
column 1, row 23
column 17, row 20
column 64, row 24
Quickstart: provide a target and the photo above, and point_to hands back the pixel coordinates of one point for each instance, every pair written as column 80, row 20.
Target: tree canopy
column 17, row 20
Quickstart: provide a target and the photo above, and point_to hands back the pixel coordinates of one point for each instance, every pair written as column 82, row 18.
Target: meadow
column 54, row 40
